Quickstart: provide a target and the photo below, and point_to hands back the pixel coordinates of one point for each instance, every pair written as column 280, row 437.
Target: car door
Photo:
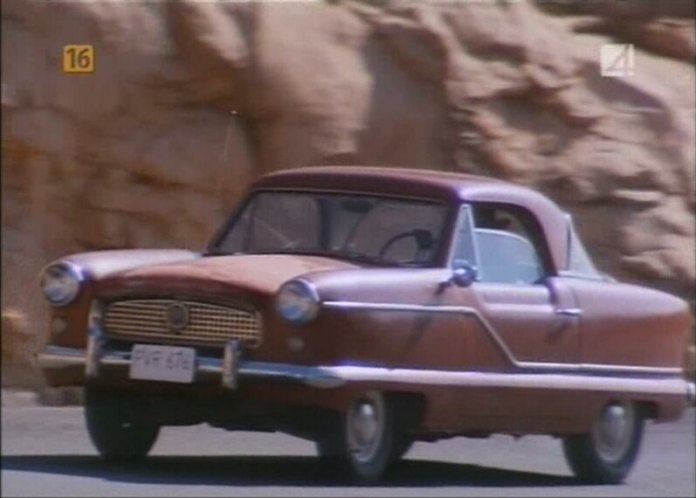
column 528, row 316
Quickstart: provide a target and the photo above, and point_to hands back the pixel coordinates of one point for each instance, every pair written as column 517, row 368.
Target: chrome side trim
column 488, row 327
column 691, row 393
column 325, row 377
column 572, row 312
column 670, row 385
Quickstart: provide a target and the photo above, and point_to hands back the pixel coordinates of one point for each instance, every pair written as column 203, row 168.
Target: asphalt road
column 46, row 452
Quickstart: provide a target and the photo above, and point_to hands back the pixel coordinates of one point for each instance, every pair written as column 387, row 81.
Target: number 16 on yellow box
column 78, row 59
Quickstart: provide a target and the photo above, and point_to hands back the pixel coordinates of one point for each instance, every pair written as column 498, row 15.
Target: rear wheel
column 115, row 429
column 607, row 453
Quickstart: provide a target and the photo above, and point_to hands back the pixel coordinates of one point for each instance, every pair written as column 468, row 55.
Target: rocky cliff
column 191, row 100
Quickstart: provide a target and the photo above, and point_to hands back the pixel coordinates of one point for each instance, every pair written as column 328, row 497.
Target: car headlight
column 297, row 301
column 60, row 283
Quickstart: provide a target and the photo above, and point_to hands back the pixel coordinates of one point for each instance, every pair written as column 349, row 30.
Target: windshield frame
column 441, row 250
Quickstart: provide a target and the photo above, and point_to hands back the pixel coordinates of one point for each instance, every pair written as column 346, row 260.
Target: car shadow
column 276, row 471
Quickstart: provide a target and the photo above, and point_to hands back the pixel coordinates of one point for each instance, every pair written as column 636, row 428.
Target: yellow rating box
column 78, row 59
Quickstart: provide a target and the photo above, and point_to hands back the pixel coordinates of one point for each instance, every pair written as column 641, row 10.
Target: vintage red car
column 366, row 308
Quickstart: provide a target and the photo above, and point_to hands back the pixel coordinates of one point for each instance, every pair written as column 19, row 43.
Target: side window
column 509, row 243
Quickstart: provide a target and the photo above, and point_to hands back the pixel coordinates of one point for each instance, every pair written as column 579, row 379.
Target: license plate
column 165, row 363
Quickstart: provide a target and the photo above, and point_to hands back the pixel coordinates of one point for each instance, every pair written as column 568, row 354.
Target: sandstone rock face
column 192, row 100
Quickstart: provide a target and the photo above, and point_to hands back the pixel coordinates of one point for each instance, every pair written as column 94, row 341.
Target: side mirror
column 463, row 276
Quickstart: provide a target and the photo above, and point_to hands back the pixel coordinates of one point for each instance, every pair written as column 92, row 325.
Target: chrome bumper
column 227, row 370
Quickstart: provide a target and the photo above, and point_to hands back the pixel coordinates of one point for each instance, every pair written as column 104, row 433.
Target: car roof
column 380, row 179
column 444, row 186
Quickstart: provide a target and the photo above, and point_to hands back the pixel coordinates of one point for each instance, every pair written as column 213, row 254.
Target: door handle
column 569, row 312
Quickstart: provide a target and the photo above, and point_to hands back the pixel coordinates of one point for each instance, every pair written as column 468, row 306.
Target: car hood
column 262, row 274
column 100, row 264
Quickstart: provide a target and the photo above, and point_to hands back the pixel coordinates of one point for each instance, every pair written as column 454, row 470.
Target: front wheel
column 607, row 453
column 114, row 428
column 365, row 440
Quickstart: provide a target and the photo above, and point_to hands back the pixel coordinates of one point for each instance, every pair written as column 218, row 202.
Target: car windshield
column 370, row 229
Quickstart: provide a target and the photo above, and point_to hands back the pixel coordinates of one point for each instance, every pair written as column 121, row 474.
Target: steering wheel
column 424, row 240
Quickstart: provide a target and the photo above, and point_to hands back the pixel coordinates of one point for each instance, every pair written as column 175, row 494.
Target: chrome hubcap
column 612, row 432
column 365, row 425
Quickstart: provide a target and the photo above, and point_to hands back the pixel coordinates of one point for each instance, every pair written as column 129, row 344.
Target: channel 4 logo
column 617, row 60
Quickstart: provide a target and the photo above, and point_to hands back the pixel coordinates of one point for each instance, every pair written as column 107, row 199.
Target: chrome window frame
column 465, row 212
column 571, row 233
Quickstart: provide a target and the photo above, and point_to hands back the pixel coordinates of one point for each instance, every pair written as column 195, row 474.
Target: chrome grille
column 207, row 323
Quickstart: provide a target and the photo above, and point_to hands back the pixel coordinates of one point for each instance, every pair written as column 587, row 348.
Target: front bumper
column 91, row 362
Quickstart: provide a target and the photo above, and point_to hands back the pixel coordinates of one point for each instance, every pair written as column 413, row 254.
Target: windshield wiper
column 332, row 253
column 360, row 257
